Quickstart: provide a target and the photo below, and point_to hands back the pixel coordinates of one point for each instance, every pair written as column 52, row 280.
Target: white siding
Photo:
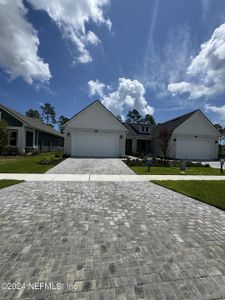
column 96, row 116
column 197, row 124
column 196, row 128
column 96, row 121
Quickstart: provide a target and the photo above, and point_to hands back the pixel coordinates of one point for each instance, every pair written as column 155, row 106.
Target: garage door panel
column 194, row 149
column 95, row 145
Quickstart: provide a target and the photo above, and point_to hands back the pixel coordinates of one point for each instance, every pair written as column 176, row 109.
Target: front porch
column 23, row 140
column 138, row 147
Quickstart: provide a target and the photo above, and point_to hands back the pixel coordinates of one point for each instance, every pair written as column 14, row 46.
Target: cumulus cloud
column 71, row 16
column 219, row 110
column 129, row 94
column 206, row 73
column 19, row 44
column 96, row 88
column 92, row 38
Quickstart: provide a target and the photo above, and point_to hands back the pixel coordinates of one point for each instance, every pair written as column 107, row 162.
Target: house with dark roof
column 191, row 136
column 28, row 134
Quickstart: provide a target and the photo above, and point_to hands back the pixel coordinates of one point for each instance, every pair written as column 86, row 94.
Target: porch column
column 34, row 139
column 37, row 139
column 23, row 140
column 134, row 146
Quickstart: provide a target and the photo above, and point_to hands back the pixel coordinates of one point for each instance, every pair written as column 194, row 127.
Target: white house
column 193, row 137
column 95, row 132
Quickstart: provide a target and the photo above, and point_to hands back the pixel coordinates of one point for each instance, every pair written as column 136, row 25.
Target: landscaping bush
column 135, row 162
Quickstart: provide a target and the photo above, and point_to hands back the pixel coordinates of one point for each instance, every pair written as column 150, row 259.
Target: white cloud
column 195, row 90
column 219, row 110
column 129, row 94
column 19, row 44
column 96, row 88
column 71, row 16
column 206, row 73
column 92, row 38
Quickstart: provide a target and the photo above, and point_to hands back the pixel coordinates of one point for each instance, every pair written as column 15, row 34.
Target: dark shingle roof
column 32, row 122
column 172, row 124
column 132, row 131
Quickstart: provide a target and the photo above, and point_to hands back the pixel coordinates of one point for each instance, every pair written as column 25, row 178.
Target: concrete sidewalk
column 96, row 177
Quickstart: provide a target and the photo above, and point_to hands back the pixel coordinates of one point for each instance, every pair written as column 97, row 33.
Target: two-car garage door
column 95, row 144
column 196, row 149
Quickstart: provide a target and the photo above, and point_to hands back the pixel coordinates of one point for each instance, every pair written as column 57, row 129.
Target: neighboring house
column 193, row 137
column 95, row 132
column 28, row 133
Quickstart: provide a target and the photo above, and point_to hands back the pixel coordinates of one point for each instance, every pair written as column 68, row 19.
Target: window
column 146, row 129
column 13, row 138
column 143, row 129
column 29, row 139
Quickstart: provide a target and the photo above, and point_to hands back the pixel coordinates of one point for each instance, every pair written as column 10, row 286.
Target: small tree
column 32, row 113
column 133, row 116
column 219, row 128
column 62, row 120
column 149, row 119
column 4, row 136
column 48, row 114
column 165, row 136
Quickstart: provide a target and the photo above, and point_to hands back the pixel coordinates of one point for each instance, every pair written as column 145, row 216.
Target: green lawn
column 25, row 164
column 6, row 182
column 142, row 170
column 211, row 192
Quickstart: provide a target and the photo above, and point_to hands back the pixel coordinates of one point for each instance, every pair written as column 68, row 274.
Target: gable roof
column 32, row 122
column 91, row 104
column 172, row 124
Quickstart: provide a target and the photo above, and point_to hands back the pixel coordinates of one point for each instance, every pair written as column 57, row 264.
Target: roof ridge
column 179, row 117
column 31, row 121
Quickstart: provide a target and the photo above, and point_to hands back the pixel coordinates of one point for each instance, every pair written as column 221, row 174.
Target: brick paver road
column 110, row 240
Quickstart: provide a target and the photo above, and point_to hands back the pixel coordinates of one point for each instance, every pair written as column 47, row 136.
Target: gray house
column 28, row 134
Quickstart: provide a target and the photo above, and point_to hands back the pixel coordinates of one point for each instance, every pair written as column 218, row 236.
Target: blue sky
column 161, row 57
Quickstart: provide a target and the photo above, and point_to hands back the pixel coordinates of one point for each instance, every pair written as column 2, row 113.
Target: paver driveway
column 91, row 166
column 110, row 240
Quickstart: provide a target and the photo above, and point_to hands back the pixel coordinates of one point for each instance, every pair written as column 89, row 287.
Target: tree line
column 47, row 116
column 134, row 116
